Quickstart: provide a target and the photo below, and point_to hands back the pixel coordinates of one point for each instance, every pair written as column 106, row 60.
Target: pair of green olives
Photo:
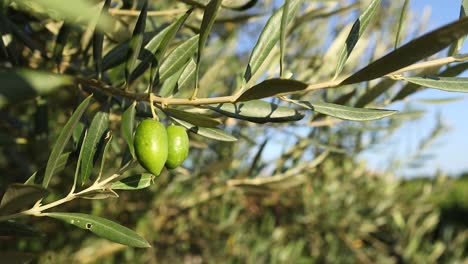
column 156, row 146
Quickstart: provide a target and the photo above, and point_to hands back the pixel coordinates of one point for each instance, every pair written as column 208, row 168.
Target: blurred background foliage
column 290, row 192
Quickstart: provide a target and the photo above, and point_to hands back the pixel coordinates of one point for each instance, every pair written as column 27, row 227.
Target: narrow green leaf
column 195, row 119
column 62, row 140
column 268, row 38
column 356, row 32
column 283, row 29
column 134, row 182
column 271, row 87
column 449, row 84
column 76, row 12
column 415, row 114
column 61, row 41
column 258, row 111
column 99, row 195
column 127, row 125
column 136, row 42
column 80, row 159
column 411, row 88
column 170, row 84
column 178, row 58
column 240, row 7
column 77, row 132
column 20, row 197
column 454, row 70
column 257, row 157
column 455, row 47
column 107, row 143
column 209, row 16
column 98, row 40
column 154, row 50
column 96, row 132
column 400, row 22
column 411, row 52
column 38, row 176
column 25, row 84
column 441, row 100
column 117, row 55
column 187, row 79
column 212, row 133
column 103, row 228
column 346, row 112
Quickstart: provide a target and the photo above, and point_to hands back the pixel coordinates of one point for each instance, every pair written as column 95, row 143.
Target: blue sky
column 448, row 151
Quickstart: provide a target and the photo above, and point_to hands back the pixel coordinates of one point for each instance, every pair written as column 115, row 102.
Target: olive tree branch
column 166, row 101
column 38, row 208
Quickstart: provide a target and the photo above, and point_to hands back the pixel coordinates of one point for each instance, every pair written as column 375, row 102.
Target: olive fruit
column 178, row 143
column 151, row 145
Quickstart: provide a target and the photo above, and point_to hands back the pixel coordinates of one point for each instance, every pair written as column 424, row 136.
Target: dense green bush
column 278, row 106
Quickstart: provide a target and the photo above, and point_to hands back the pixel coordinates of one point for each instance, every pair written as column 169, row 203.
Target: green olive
column 151, row 145
column 178, row 146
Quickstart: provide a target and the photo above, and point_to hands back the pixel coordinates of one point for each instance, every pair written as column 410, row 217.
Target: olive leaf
column 258, row 111
column 61, row 41
column 449, row 84
column 187, row 78
column 97, row 130
column 456, row 46
column 346, row 112
column 411, row 52
column 38, row 176
column 154, row 50
column 268, row 38
column 136, row 42
column 76, row 12
column 178, row 58
column 62, row 140
column 271, row 87
column 105, row 150
column 212, row 133
column 118, row 54
column 195, row 119
column 209, row 17
column 283, row 29
column 134, row 182
column 441, row 100
column 400, row 22
column 98, row 41
column 240, row 7
column 170, row 84
column 127, row 126
column 19, row 196
column 356, row 32
column 103, row 228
